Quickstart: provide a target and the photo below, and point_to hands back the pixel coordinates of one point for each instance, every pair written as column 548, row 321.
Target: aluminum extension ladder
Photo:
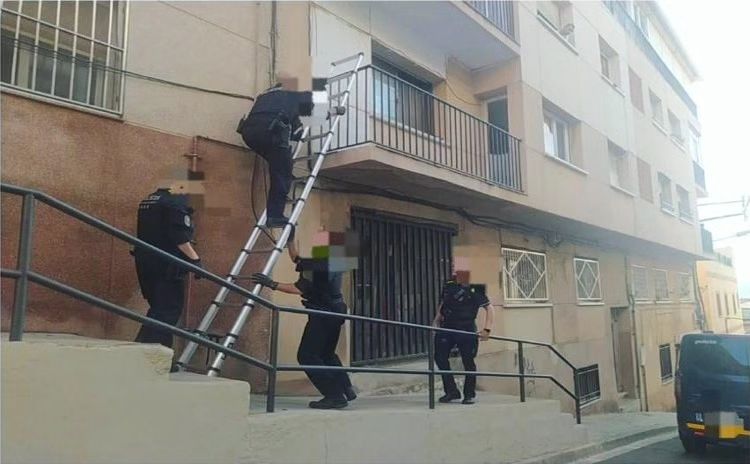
column 339, row 101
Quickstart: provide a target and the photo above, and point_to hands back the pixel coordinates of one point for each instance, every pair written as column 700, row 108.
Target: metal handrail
column 24, row 274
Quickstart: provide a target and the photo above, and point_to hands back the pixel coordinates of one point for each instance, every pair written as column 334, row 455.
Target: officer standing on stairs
column 320, row 289
column 458, row 310
column 273, row 121
column 165, row 221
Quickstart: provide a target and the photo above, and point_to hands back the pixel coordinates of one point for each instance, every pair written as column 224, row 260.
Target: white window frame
column 685, row 278
column 665, row 201
column 610, row 62
column 665, row 273
column 620, row 174
column 694, row 145
column 556, row 121
column 593, row 265
column 636, row 296
column 656, row 103
column 640, row 18
column 675, row 128
column 683, row 207
column 85, row 44
column 508, row 277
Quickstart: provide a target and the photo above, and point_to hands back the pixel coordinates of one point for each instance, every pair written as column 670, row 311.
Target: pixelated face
column 339, row 250
column 461, row 272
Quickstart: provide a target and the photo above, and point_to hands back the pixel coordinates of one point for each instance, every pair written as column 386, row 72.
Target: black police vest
column 323, row 290
column 288, row 104
column 164, row 219
column 460, row 307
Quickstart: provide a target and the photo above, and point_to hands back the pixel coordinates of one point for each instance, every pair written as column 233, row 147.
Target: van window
column 717, row 355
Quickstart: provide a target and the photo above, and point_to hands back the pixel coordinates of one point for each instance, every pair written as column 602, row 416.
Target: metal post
column 18, row 318
column 274, row 361
column 431, row 364
column 577, row 391
column 521, row 379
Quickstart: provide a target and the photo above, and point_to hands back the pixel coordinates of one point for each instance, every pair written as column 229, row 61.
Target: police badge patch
column 187, row 221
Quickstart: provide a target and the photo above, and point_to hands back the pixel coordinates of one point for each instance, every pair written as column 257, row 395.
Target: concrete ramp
column 401, row 429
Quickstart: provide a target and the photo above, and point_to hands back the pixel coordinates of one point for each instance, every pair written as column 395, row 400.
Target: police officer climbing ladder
column 338, row 104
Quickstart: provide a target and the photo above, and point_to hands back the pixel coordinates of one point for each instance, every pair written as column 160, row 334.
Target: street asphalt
column 671, row 452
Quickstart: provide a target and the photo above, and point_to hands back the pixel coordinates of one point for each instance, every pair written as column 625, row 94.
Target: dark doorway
column 401, row 270
column 622, row 347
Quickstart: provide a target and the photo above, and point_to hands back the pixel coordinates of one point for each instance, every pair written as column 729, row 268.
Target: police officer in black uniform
column 320, row 290
column 458, row 310
column 273, row 121
column 165, row 221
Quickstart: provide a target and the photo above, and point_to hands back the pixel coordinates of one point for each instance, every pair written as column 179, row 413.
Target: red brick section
column 105, row 167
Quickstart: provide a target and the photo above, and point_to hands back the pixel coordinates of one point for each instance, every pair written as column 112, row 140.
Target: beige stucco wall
column 716, row 279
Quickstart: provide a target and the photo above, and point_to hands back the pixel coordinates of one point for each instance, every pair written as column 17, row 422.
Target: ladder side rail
column 247, row 308
column 189, row 351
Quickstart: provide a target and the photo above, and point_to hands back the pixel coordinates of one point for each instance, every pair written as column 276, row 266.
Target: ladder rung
column 305, row 158
column 319, row 136
column 229, row 305
column 347, row 59
column 254, row 252
column 338, row 95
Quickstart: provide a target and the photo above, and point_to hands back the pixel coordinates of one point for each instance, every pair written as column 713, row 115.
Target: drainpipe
column 640, row 382
column 274, row 32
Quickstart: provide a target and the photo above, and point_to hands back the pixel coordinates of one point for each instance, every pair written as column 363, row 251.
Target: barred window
column 665, row 362
column 524, row 275
column 661, row 285
column 640, row 283
column 588, row 285
column 588, row 384
column 68, row 50
column 685, row 288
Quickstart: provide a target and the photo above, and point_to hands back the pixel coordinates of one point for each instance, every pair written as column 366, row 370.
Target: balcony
column 401, row 118
column 499, row 13
column 707, row 240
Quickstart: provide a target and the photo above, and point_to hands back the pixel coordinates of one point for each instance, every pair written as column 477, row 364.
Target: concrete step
column 80, row 400
column 401, row 429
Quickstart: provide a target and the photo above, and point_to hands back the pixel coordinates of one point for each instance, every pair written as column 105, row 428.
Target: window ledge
column 678, row 143
column 622, row 190
column 661, row 128
column 590, row 303
column 686, row 220
column 641, row 302
column 687, row 301
column 556, row 33
column 664, row 302
column 527, row 305
column 612, row 84
column 45, row 98
column 668, row 211
column 667, row 381
column 567, row 164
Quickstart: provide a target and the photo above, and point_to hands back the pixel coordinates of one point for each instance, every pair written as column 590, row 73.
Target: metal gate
column 401, row 270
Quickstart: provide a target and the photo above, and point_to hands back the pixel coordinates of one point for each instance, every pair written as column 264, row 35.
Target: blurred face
column 461, row 272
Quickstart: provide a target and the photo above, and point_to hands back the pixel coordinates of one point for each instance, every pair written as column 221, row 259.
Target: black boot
column 448, row 397
column 329, row 403
column 350, row 394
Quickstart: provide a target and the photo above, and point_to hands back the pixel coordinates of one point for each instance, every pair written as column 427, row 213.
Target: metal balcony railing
column 401, row 117
column 499, row 13
column 707, row 240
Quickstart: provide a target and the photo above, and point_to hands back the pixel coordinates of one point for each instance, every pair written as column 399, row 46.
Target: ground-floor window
column 588, row 384
column 665, row 362
column 401, row 271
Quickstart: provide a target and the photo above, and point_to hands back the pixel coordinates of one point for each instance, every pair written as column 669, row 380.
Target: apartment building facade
column 717, row 284
column 551, row 144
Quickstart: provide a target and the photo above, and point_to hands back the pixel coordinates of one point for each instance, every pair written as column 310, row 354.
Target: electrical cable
column 21, row 44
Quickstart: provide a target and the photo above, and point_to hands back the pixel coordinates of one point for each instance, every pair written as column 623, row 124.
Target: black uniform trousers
column 467, row 346
column 166, row 299
column 318, row 348
column 274, row 147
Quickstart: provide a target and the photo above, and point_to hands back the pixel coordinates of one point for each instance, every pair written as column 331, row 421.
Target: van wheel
column 693, row 445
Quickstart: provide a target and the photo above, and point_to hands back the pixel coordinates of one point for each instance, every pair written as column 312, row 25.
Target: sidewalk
column 609, row 431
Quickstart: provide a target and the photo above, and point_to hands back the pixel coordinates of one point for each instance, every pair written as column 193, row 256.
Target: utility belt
column 278, row 123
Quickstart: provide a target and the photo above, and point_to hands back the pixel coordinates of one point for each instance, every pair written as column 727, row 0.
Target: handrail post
column 18, row 319
column 431, row 364
column 577, row 391
column 273, row 360
column 521, row 378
